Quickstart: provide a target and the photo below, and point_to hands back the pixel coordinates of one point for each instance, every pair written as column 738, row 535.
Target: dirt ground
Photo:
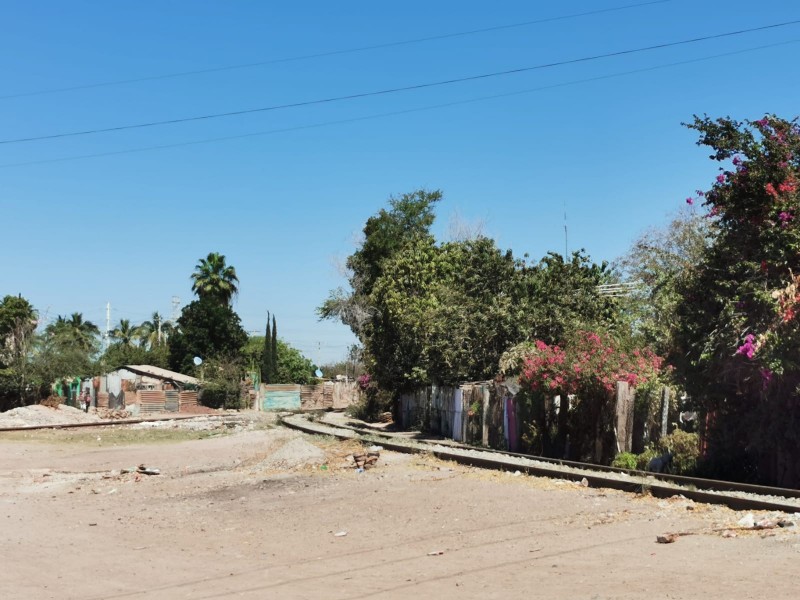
column 263, row 512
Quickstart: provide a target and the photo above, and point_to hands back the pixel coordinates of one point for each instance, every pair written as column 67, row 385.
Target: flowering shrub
column 363, row 381
column 591, row 364
column 738, row 334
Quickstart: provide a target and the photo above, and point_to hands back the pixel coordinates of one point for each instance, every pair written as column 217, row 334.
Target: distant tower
column 176, row 302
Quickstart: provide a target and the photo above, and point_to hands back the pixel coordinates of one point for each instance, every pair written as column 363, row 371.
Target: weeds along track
column 737, row 496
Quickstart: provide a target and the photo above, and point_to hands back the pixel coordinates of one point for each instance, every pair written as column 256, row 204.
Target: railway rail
column 738, row 496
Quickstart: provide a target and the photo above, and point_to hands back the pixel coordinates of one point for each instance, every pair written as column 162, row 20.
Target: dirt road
column 267, row 513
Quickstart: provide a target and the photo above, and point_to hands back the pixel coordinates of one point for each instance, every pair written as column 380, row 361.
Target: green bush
column 685, row 448
column 221, row 394
column 373, row 403
column 625, row 460
column 643, row 459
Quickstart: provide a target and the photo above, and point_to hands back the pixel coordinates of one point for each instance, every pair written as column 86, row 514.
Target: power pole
column 176, row 302
column 566, row 239
column 108, row 324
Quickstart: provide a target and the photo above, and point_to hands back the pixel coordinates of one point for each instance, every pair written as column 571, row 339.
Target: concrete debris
column 747, row 521
column 366, row 460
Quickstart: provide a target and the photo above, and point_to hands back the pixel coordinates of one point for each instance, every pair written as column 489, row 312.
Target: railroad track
column 738, row 496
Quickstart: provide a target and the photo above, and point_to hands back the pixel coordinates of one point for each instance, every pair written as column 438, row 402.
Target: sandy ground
column 256, row 513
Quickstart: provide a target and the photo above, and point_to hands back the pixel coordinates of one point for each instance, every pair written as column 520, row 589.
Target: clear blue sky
column 285, row 208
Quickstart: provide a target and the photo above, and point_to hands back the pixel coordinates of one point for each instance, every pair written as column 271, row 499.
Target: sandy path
column 235, row 531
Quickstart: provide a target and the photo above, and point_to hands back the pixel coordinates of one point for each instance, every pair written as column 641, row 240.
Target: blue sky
column 286, row 208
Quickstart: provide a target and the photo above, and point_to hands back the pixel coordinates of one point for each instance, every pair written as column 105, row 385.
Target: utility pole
column 108, row 323
column 566, row 239
column 176, row 302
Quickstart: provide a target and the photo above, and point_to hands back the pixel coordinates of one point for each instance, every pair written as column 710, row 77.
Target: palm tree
column 213, row 279
column 125, row 333
column 75, row 330
column 155, row 332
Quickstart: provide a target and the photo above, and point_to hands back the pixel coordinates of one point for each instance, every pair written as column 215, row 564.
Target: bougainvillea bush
column 738, row 340
column 585, row 368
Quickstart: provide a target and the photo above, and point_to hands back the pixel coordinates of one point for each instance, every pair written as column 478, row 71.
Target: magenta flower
column 720, row 178
column 747, row 349
column 689, row 201
column 762, row 122
column 766, row 376
column 785, row 216
column 737, row 161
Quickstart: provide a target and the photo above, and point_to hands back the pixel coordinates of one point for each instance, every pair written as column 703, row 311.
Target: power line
column 383, row 92
column 333, row 52
column 398, row 112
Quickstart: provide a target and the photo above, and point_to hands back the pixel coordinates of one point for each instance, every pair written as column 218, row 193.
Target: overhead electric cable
column 332, row 52
column 398, row 112
column 418, row 86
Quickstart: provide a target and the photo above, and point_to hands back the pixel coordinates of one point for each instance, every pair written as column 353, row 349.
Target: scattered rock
column 747, row 521
column 668, row 538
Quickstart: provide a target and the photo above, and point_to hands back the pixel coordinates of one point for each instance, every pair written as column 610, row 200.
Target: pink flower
column 762, row 122
column 747, row 349
column 689, row 201
column 787, row 187
column 785, row 217
column 720, row 178
column 770, row 189
column 737, row 161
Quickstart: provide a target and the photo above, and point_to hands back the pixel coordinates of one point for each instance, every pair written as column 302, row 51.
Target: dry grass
column 108, row 436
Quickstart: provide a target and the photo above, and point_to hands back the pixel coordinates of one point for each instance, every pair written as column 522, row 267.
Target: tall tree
column 74, row 330
column 18, row 322
column 655, row 264
column 125, row 333
column 206, row 329
column 274, row 351
column 409, row 218
column 444, row 313
column 214, row 280
column 155, row 332
column 266, row 355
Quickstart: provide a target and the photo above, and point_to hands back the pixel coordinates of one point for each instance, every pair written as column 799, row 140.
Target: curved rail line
column 660, row 485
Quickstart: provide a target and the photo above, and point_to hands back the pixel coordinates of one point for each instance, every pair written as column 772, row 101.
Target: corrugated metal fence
column 330, row 394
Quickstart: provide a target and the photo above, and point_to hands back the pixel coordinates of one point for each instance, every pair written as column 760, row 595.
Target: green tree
column 738, row 341
column 18, row 321
column 206, row 329
column 119, row 354
column 409, row 217
column 273, row 368
column 213, row 279
column 655, row 264
column 74, row 330
column 154, row 332
column 126, row 333
column 267, row 373
column 293, row 366
column 426, row 312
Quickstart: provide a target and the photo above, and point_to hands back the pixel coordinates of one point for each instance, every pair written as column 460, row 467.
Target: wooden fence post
column 624, row 417
column 486, row 416
column 665, row 394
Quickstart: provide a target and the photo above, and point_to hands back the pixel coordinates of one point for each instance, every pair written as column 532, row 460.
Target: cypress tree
column 266, row 356
column 274, row 353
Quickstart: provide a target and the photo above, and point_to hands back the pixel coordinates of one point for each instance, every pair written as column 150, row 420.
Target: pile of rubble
column 38, row 415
